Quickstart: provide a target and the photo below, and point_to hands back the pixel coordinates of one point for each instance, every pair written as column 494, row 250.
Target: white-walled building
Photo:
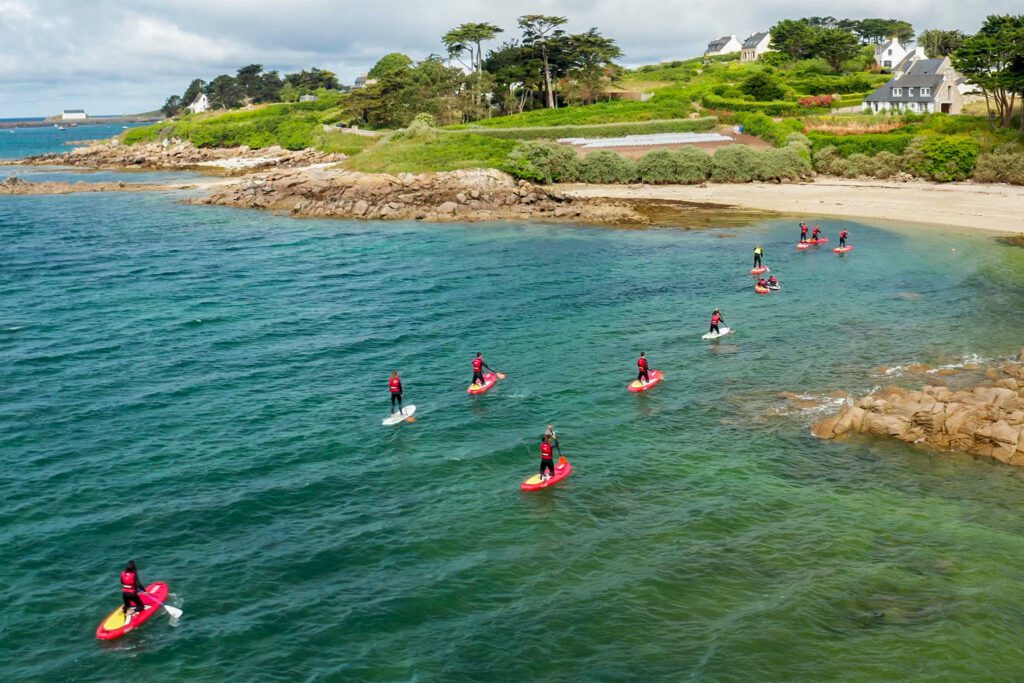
column 199, row 104
column 889, row 54
column 926, row 85
column 755, row 45
column 723, row 46
column 73, row 115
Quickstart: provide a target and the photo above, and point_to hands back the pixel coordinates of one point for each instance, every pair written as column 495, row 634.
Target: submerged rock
column 986, row 420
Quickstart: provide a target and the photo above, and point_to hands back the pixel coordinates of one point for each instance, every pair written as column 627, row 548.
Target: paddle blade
column 562, row 460
column 173, row 611
column 501, row 375
column 411, row 419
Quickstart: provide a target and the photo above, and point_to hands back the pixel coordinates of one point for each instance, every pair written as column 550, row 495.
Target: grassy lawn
column 439, row 152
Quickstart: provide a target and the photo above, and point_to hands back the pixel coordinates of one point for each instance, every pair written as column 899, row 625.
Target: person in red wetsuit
column 547, row 458
column 842, row 238
column 772, row 283
column 395, row 387
column 762, row 283
column 815, row 233
column 478, row 370
column 130, row 587
column 641, row 365
column 716, row 318
column 803, row 232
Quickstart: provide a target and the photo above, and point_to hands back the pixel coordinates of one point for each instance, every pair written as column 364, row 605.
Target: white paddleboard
column 722, row 331
column 405, row 414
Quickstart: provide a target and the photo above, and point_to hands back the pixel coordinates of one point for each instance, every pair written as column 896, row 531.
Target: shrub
column 869, row 143
column 735, row 164
column 687, row 165
column 600, row 130
column 816, row 101
column 784, row 163
column 858, row 165
column 1004, row 165
column 827, row 160
column 886, row 165
column 543, row 162
column 713, row 101
column 763, row 88
column 765, row 128
column 607, row 167
column 941, row 157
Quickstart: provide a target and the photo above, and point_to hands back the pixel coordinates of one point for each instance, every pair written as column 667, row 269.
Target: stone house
column 925, row 85
column 755, row 45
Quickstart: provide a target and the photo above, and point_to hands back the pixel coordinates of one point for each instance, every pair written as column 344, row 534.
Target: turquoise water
column 21, row 142
column 75, row 174
column 201, row 389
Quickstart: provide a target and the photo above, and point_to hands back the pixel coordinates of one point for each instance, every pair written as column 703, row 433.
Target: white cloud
column 122, row 55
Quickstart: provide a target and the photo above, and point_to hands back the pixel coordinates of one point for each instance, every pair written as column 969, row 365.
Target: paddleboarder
column 716, row 318
column 641, row 365
column 547, row 458
column 842, row 238
column 478, row 370
column 758, row 257
column 395, row 387
column 130, row 587
column 553, row 436
column 803, row 232
column 815, row 233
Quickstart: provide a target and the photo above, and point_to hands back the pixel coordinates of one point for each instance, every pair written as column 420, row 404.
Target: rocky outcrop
column 468, row 195
column 179, row 154
column 986, row 420
column 15, row 185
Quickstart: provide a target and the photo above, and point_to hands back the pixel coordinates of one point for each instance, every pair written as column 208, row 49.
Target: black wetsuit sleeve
column 139, row 586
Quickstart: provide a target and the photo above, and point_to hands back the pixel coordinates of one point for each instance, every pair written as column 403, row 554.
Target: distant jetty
column 90, row 121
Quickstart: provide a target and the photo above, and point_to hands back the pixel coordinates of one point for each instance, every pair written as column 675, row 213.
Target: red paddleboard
column 637, row 386
column 761, row 290
column 490, row 379
column 562, row 470
column 820, row 240
column 758, row 271
column 842, row 250
column 115, row 625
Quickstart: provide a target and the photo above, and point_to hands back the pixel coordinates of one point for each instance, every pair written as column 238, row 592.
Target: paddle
column 500, row 375
column 562, row 460
column 173, row 611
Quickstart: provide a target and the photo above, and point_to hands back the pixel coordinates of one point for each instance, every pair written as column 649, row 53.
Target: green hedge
column 602, row 130
column 943, row 158
column 685, row 166
column 607, row 167
column 712, row 101
column 543, row 162
column 868, row 143
column 762, row 126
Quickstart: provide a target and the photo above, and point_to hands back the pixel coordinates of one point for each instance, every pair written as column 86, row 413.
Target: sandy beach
column 965, row 205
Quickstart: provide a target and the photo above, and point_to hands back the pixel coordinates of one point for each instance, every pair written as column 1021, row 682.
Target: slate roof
column 918, row 81
column 718, row 43
column 753, row 41
column 925, row 66
column 74, row 111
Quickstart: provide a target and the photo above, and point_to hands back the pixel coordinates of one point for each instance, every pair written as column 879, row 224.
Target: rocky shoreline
column 180, row 155
column 16, row 186
column 984, row 420
column 468, row 195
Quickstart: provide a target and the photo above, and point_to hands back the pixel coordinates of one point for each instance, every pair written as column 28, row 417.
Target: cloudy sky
column 120, row 56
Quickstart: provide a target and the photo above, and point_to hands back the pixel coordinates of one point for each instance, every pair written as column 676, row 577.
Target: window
column 897, row 92
column 889, row 53
column 926, row 92
column 910, row 92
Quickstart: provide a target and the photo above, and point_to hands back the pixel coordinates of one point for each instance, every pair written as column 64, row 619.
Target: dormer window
column 897, row 92
column 925, row 92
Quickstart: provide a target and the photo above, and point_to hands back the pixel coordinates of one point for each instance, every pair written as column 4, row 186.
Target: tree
column 389, row 63
column 763, row 88
column 172, row 106
column 225, row 92
column 194, row 90
column 793, row 37
column 248, row 79
column 517, row 73
column 993, row 60
column 590, row 56
column 469, row 38
column 538, row 32
column 835, row 46
column 938, row 43
column 877, row 30
column 314, row 79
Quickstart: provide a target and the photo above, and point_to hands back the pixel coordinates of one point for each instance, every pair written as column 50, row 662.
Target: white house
column 927, row 85
column 308, row 98
column 755, row 45
column 73, row 115
column 889, row 54
column 363, row 80
column 723, row 46
column 199, row 104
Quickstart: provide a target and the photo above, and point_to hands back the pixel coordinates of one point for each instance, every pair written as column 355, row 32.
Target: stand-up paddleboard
column 842, row 250
column 820, row 240
column 722, row 331
column 656, row 377
column 803, row 245
column 562, row 470
column 490, row 379
column 758, row 271
column 761, row 290
column 400, row 416
column 116, row 625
